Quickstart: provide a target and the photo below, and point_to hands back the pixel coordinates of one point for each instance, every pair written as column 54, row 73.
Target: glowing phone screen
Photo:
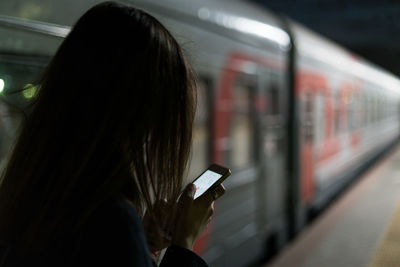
column 205, row 181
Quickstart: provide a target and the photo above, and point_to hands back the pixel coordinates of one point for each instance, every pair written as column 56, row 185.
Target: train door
column 201, row 146
column 235, row 231
column 271, row 182
column 248, row 138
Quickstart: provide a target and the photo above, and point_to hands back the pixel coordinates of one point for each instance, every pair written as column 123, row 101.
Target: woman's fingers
column 188, row 192
column 209, row 198
column 219, row 191
column 213, row 194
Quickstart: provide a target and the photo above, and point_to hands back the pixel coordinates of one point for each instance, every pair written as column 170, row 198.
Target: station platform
column 362, row 228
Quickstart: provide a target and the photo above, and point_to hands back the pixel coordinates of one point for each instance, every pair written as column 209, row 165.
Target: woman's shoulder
column 114, row 234
column 113, row 218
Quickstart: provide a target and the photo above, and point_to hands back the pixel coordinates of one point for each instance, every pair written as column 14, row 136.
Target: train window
column 380, row 108
column 308, row 118
column 374, row 108
column 353, row 112
column 273, row 96
column 349, row 114
column 350, row 111
column 201, row 138
column 319, row 122
column 15, row 73
column 378, row 115
column 241, row 154
column 364, row 109
column 385, row 107
column 358, row 111
column 337, row 108
column 388, row 107
column 370, row 109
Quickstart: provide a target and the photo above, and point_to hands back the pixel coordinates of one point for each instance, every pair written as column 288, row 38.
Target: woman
column 107, row 142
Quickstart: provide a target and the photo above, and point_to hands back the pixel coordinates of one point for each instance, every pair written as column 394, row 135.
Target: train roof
column 312, row 45
column 242, row 21
column 241, row 17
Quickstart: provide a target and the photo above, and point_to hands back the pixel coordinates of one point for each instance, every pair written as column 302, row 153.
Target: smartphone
column 210, row 178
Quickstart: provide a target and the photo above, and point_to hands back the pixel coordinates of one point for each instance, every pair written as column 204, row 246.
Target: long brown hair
column 113, row 117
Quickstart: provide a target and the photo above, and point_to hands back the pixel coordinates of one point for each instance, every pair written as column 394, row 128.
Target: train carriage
column 293, row 115
column 348, row 112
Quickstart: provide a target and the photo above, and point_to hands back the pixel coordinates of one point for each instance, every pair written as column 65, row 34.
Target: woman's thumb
column 190, row 190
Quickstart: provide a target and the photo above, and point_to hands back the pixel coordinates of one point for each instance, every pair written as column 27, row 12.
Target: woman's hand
column 193, row 216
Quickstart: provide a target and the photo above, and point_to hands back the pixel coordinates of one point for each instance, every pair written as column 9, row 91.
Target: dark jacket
column 113, row 236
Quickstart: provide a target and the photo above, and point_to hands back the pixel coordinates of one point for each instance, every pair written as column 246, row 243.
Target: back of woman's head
column 113, row 117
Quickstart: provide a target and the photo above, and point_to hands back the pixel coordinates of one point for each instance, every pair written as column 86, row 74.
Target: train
column 295, row 116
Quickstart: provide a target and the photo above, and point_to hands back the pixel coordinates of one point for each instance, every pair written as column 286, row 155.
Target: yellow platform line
column 388, row 251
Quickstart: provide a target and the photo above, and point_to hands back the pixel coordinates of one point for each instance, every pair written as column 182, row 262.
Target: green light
column 1, row 86
column 29, row 90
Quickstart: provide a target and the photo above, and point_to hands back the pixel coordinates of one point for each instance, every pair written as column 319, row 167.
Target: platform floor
column 357, row 230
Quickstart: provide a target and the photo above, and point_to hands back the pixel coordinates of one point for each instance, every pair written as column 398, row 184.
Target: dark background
column 370, row 28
